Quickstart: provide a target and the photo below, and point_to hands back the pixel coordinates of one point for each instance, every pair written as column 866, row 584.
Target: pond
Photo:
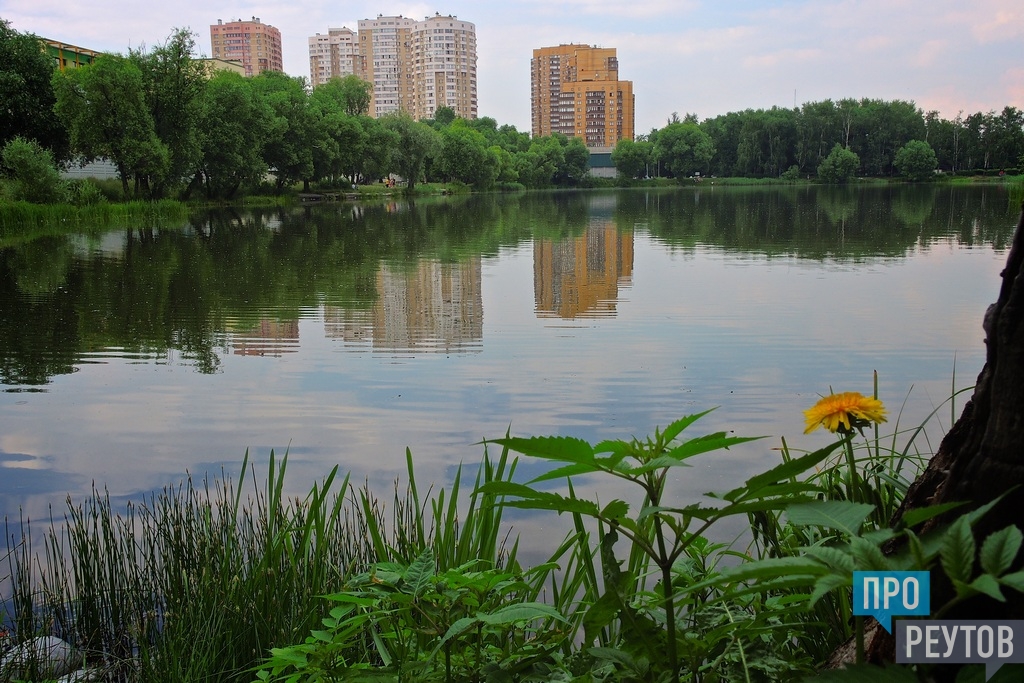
column 345, row 333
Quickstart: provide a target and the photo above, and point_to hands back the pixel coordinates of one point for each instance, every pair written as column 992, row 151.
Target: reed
column 200, row 580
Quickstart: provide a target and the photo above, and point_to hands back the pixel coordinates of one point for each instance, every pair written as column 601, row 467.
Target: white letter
column 870, row 588
column 913, row 638
column 930, row 640
column 991, row 641
column 909, row 582
column 950, row 640
column 891, row 587
column 966, row 630
column 1005, row 641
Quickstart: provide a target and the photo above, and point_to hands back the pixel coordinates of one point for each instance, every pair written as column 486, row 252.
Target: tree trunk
column 982, row 456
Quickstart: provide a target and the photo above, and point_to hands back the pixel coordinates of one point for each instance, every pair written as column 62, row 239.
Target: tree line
column 172, row 127
column 832, row 140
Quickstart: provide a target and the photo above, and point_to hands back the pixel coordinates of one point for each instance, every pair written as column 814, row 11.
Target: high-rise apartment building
column 332, row 55
column 575, row 90
column 255, row 44
column 412, row 66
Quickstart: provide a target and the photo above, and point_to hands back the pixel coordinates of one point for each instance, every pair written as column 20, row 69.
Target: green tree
column 416, row 142
column 234, row 123
column 26, row 93
column 916, row 160
column 444, row 116
column 683, row 148
column 839, row 166
column 632, row 159
column 355, row 94
column 103, row 105
column 575, row 161
column 288, row 149
column 34, row 176
column 464, row 156
column 173, row 83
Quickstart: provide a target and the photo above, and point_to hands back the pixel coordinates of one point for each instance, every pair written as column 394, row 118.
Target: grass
column 22, row 220
column 202, row 580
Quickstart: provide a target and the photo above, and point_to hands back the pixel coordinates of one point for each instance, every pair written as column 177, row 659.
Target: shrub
column 34, row 174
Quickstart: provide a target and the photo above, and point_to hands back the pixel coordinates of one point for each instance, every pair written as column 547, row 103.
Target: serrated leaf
column 957, row 551
column 841, row 515
column 826, row 584
column 868, row 556
column 999, row 550
column 762, row 570
column 789, row 469
column 1014, row 581
column 532, row 499
column 565, row 472
column 617, row 509
column 987, row 584
column 913, row 517
column 670, row 432
column 520, row 612
column 561, row 448
column 834, row 558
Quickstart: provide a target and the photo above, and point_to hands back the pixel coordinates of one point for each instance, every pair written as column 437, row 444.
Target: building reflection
column 267, row 338
column 580, row 277
column 432, row 306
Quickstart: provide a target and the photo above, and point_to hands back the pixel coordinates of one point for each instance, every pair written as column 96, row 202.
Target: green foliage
column 632, row 159
column 103, row 105
column 465, row 157
column 839, row 166
column 415, row 143
column 34, row 177
column 26, row 93
column 683, row 149
column 916, row 160
column 233, row 124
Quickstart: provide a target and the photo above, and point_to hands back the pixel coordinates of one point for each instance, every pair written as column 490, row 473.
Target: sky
column 705, row 57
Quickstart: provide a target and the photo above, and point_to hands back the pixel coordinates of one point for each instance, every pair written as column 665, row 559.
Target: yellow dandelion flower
column 844, row 412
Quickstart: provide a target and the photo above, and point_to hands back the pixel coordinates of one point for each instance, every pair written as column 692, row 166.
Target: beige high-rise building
column 255, row 44
column 332, row 55
column 575, row 90
column 415, row 66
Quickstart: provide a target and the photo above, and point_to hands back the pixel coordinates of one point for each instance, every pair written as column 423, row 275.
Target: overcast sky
column 708, row 57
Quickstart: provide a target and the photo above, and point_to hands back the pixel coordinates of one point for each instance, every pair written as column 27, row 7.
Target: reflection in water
column 432, row 306
column 267, row 338
column 580, row 277
column 130, row 357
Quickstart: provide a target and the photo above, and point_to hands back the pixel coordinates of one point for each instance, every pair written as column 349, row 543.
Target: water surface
column 343, row 334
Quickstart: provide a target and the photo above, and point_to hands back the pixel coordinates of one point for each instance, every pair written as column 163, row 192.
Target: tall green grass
column 201, row 580
column 22, row 219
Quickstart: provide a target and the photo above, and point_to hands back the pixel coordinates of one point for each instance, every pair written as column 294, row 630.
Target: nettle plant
column 644, row 630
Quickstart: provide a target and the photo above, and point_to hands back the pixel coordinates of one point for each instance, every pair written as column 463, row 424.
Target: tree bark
column 979, row 459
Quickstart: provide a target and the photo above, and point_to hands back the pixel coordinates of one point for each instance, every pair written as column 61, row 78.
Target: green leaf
column 520, row 612
column 826, row 584
column 771, row 568
column 616, row 656
column 565, row 472
column 421, row 572
column 868, row 556
column 1014, row 581
column 999, row 549
column 670, row 433
column 617, row 509
column 957, row 551
column 532, row 499
column 841, row 515
column 834, row 558
column 987, row 584
column 561, row 448
column 912, row 518
column 782, row 472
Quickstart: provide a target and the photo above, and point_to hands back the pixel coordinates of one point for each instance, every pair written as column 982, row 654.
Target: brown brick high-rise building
column 255, row 44
column 575, row 90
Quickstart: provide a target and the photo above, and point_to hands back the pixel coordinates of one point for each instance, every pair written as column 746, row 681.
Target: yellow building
column 580, row 277
column 68, row 56
column 575, row 90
